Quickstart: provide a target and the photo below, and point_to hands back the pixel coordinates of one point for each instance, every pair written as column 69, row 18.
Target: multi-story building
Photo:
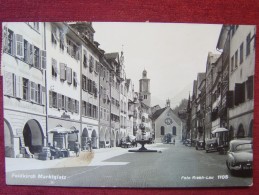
column 241, row 79
column 130, row 96
column 200, row 100
column 211, row 59
column 24, row 88
column 89, row 75
column 216, row 94
column 63, row 85
column 106, row 135
column 123, row 99
column 113, row 59
column 223, row 44
column 193, row 132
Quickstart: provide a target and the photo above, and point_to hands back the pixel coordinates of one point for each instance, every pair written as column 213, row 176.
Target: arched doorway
column 8, row 139
column 33, row 136
column 250, row 131
column 107, row 137
column 94, row 139
column 84, row 139
column 117, row 139
column 72, row 138
column 174, row 130
column 240, row 131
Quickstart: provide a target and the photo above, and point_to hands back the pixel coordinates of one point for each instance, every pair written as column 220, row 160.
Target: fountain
column 143, row 141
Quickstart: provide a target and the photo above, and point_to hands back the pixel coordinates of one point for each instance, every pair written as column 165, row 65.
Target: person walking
column 77, row 149
column 90, row 144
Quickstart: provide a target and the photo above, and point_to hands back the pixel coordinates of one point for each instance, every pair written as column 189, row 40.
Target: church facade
column 166, row 122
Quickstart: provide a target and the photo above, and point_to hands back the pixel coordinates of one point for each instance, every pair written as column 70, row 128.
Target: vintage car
column 240, row 156
column 211, row 145
column 187, row 142
column 200, row 144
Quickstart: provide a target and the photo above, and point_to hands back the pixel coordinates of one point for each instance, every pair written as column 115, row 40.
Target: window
column 54, row 99
column 33, row 89
column 236, row 58
column 54, row 35
column 162, row 130
column 101, row 113
column 69, row 75
column 91, row 64
column 63, row 102
column 96, row 67
column 232, row 63
column 74, row 79
column 10, row 45
column 36, row 26
column 54, row 71
column 36, row 57
column 248, row 41
column 63, row 72
column 85, row 59
column 26, row 91
column 84, row 83
column 145, row 97
column 174, row 130
column 250, row 87
column 72, row 49
column 241, row 53
column 19, row 46
column 26, row 54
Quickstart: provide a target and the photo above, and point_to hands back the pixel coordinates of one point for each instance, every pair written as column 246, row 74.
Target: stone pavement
column 86, row 158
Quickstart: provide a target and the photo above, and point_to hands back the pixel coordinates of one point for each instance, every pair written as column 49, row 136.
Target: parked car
column 187, row 142
column 200, row 144
column 211, row 145
column 240, row 156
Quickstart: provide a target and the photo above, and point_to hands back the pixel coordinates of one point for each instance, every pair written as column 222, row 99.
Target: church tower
column 144, row 89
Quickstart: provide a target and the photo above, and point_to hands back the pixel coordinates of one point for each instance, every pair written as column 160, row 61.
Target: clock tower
column 144, row 89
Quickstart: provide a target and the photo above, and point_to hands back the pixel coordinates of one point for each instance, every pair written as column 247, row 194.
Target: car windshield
column 242, row 147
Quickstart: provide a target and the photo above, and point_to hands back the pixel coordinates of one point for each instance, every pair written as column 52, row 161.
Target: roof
column 160, row 111
column 111, row 56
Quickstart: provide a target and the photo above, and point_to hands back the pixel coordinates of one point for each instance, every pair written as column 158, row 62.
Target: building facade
column 24, row 88
column 241, row 79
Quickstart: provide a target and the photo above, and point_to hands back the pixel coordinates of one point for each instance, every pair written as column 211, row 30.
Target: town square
column 128, row 104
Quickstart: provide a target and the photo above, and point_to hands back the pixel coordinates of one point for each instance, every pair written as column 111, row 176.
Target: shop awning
column 62, row 130
column 217, row 130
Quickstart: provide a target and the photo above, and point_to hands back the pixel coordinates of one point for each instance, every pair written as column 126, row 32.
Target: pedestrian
column 77, row 149
column 90, row 144
column 174, row 141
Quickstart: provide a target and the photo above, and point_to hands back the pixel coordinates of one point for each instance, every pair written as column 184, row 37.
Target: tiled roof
column 158, row 113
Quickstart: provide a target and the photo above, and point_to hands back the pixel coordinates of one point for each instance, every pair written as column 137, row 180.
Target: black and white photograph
column 126, row 104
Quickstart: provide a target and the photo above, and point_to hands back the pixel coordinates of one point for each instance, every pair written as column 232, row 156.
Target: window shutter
column 59, row 99
column 5, row 39
column 50, row 99
column 69, row 75
column 19, row 46
column 62, row 71
column 73, row 105
column 66, row 108
column 32, row 91
column 31, row 55
column 43, row 59
column 8, row 84
column 85, row 60
column 77, row 106
column 238, row 94
column 19, row 87
column 75, row 79
column 42, row 95
column 77, row 54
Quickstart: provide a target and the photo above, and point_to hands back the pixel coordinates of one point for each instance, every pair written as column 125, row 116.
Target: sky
column 171, row 53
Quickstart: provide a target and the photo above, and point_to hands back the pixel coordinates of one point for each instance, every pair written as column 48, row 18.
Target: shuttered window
column 91, row 64
column 26, row 89
column 43, row 59
column 54, row 69
column 85, row 59
column 5, row 40
column 9, row 83
column 63, row 102
column 50, row 99
column 54, row 99
column 31, row 54
column 241, row 53
column 19, row 46
column 69, row 75
column 59, row 101
column 250, row 87
column 32, row 88
column 75, row 79
column 248, row 44
column 62, row 71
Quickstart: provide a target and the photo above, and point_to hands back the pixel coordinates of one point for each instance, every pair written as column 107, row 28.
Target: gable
column 168, row 113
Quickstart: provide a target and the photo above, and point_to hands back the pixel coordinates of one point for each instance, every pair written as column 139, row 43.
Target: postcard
column 113, row 104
